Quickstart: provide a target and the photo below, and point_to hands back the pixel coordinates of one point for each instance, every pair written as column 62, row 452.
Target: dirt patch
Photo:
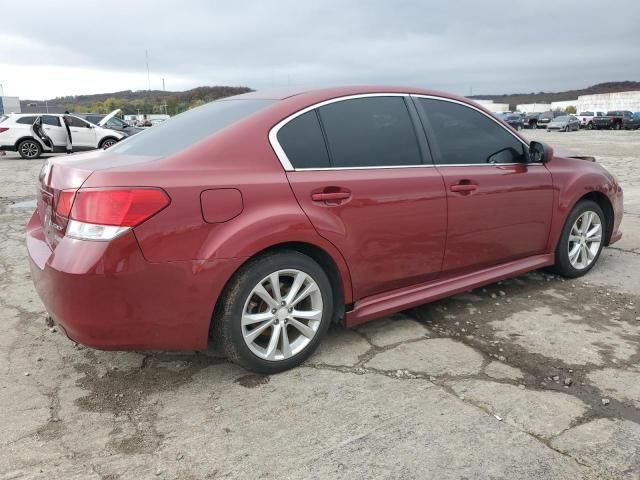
column 252, row 381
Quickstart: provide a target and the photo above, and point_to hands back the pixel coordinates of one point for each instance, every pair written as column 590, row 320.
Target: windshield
column 562, row 119
column 513, row 118
column 182, row 131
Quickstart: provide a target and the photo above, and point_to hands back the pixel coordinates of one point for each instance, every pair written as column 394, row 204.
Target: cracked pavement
column 535, row 377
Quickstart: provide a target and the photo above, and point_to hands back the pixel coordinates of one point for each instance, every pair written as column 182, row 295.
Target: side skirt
column 408, row 297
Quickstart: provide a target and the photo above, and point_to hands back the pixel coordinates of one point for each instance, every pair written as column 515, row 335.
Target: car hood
column 104, row 121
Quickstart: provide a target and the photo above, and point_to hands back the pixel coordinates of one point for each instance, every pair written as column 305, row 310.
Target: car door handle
column 463, row 187
column 331, row 198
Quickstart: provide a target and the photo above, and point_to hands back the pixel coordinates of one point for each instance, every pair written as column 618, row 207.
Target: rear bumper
column 106, row 295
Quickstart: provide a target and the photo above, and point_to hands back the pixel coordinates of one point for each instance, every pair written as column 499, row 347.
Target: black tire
column 226, row 326
column 616, row 126
column 589, row 126
column 563, row 264
column 108, row 142
column 566, row 129
column 29, row 149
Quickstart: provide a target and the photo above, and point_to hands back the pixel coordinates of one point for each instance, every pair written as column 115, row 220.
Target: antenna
column 146, row 53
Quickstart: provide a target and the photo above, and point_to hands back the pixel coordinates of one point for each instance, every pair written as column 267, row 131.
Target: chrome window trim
column 288, row 167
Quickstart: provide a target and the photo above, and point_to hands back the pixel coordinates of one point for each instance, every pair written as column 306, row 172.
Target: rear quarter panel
column 240, row 158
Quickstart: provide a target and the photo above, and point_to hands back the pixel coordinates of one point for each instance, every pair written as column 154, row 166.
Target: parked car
column 111, row 122
column 586, row 119
column 567, row 123
column 616, row 120
column 546, row 117
column 631, row 122
column 516, row 121
column 18, row 134
column 245, row 221
column 531, row 120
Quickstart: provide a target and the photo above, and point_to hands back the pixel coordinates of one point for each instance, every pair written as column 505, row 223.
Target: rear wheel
column 581, row 241
column 274, row 312
column 29, row 149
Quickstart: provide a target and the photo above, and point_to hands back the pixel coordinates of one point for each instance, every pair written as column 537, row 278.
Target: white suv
column 23, row 134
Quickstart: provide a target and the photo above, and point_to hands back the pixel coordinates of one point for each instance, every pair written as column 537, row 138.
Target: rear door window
column 462, row 135
column 302, row 141
column 370, row 132
column 51, row 120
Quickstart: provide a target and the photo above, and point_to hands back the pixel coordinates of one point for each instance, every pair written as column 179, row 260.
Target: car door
column 499, row 204
column 83, row 135
column 52, row 125
column 368, row 189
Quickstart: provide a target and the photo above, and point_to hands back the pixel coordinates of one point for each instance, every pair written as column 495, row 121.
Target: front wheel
column 274, row 312
column 108, row 142
column 581, row 240
column 589, row 126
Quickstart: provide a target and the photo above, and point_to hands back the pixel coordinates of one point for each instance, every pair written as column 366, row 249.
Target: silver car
column 565, row 124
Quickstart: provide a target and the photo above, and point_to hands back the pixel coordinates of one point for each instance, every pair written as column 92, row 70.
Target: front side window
column 95, row 119
column 370, row 132
column 76, row 122
column 302, row 141
column 462, row 135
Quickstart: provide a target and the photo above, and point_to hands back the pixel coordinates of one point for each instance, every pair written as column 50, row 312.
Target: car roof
column 334, row 92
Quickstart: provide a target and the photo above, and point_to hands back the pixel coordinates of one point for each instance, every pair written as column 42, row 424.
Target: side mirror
column 540, row 152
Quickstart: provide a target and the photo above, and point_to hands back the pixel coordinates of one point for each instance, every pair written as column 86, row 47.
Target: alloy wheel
column 584, row 240
column 29, row 149
column 108, row 143
column 282, row 314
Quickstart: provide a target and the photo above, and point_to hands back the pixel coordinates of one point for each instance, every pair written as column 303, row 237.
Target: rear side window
column 463, row 135
column 302, row 141
column 51, row 120
column 26, row 120
column 184, row 130
column 370, row 132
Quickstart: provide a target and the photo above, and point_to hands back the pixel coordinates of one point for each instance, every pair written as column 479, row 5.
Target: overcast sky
column 69, row 47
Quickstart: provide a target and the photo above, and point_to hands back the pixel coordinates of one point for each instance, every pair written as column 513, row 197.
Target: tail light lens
column 3, row 129
column 103, row 214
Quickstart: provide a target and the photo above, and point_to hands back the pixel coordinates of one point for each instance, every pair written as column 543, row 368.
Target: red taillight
column 118, row 206
column 3, row 129
column 65, row 202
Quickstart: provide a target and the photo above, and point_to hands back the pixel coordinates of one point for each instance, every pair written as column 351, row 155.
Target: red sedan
column 258, row 220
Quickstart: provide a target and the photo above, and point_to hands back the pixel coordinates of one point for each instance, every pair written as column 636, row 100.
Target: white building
column 603, row 102
column 492, row 107
column 533, row 107
column 9, row 105
column 564, row 104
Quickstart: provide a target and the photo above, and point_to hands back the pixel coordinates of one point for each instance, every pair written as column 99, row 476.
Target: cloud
column 492, row 47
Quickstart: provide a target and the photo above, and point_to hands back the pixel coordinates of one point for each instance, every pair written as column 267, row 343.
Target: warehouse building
column 9, row 105
column 491, row 106
column 603, row 102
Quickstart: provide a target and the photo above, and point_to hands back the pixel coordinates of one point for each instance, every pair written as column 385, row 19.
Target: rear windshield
column 184, row 130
